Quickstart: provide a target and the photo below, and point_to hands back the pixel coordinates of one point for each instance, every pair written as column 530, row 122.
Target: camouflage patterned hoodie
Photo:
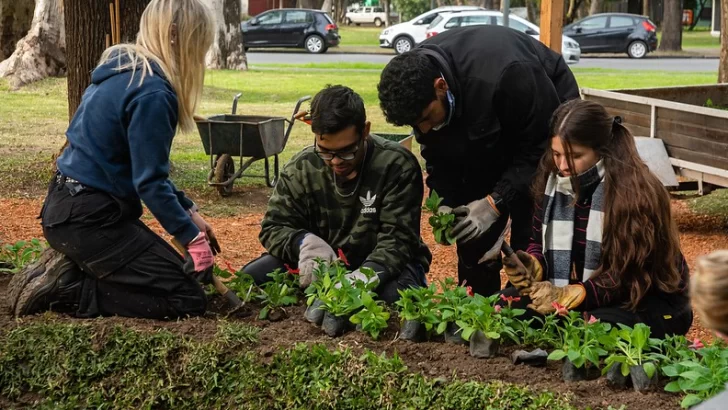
column 377, row 227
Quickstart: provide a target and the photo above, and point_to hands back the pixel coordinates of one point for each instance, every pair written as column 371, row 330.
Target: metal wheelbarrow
column 253, row 136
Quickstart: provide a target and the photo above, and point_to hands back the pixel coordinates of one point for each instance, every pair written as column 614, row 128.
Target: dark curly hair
column 335, row 108
column 406, row 87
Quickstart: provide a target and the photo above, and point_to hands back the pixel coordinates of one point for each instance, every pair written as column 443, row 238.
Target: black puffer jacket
column 506, row 87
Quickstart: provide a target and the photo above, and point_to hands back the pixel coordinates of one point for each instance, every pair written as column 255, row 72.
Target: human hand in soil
column 203, row 226
column 544, row 294
column 523, row 269
column 312, row 249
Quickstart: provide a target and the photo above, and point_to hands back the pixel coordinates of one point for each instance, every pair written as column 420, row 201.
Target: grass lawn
column 697, row 39
column 33, row 120
column 359, row 35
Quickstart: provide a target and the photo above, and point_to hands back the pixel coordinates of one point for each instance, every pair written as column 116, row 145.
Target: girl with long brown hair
column 604, row 240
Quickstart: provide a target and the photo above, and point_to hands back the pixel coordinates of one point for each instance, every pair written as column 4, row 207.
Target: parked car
column 404, row 36
column 369, row 15
column 446, row 21
column 299, row 28
column 615, row 33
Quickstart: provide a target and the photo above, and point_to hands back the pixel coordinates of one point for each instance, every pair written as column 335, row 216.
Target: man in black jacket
column 479, row 100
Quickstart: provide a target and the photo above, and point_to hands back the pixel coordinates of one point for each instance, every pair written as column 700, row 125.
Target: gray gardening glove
column 474, row 219
column 358, row 275
column 312, row 248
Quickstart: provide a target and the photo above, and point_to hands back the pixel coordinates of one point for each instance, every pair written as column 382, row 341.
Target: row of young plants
column 15, row 256
column 122, row 368
column 445, row 311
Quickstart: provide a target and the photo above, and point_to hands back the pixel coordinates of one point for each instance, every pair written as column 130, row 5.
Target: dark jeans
column 664, row 314
column 485, row 278
column 411, row 276
column 129, row 270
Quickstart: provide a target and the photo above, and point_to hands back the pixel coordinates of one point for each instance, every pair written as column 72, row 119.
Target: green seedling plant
column 279, row 292
column 19, row 254
column 343, row 300
column 675, row 349
column 509, row 314
column 419, row 304
column 582, row 341
column 327, row 275
column 545, row 336
column 449, row 303
column 699, row 379
column 372, row 317
column 441, row 223
column 632, row 348
column 481, row 314
column 237, row 281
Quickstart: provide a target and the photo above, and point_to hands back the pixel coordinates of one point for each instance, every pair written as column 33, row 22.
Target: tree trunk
column 723, row 68
column 41, row 53
column 672, row 26
column 87, row 24
column 646, row 8
column 595, row 7
column 327, row 6
column 15, row 19
column 227, row 50
column 534, row 11
column 387, row 8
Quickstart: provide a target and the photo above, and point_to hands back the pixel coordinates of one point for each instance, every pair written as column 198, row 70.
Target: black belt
column 74, row 187
column 62, row 179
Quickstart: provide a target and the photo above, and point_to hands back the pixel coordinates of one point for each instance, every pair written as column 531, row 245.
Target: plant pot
column 640, row 381
column 536, row 358
column 335, row 325
column 615, row 377
column 483, row 347
column 452, row 337
column 413, row 331
column 314, row 314
column 570, row 373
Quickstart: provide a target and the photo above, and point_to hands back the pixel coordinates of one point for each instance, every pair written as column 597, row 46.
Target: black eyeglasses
column 344, row 156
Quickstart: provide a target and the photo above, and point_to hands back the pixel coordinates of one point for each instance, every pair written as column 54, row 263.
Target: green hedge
column 78, row 365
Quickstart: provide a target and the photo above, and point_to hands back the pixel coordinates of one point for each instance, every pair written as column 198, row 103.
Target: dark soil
column 433, row 359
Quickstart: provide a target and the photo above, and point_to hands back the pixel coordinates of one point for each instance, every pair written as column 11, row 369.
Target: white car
column 569, row 47
column 369, row 15
column 404, row 36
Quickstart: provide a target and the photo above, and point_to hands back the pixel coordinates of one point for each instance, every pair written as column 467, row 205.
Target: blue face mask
column 451, row 103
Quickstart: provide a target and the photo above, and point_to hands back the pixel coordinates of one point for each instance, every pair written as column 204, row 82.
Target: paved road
column 663, row 64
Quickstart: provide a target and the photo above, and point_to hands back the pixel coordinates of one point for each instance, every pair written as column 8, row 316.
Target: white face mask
column 451, row 103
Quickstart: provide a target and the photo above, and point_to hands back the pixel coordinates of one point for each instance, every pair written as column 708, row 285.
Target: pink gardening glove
column 201, row 253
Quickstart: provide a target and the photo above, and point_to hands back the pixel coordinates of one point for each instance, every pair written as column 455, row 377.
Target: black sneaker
column 54, row 283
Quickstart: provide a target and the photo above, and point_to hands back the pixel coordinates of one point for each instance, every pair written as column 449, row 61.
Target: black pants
column 664, row 314
column 485, row 278
column 129, row 270
column 412, row 276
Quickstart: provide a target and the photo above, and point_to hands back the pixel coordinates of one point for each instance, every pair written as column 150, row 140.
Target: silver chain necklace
column 356, row 187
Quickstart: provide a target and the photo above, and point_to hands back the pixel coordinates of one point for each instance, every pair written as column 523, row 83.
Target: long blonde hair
column 182, row 62
column 709, row 290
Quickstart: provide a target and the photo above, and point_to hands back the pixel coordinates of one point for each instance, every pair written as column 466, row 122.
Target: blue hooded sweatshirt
column 119, row 143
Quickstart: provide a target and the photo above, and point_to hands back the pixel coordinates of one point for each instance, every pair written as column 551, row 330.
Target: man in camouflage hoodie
column 349, row 191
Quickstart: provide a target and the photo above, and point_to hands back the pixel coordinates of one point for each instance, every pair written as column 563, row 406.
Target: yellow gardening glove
column 523, row 269
column 544, row 294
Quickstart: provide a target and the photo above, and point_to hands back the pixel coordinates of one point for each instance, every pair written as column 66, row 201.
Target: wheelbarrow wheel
column 271, row 182
column 224, row 170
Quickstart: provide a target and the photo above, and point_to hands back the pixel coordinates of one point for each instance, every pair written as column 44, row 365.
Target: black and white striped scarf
column 558, row 224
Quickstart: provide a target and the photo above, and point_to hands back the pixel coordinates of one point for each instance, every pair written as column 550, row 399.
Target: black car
column 300, row 28
column 614, row 33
